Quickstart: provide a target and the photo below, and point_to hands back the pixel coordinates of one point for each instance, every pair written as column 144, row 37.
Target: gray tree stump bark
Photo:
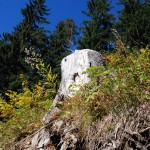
column 72, row 68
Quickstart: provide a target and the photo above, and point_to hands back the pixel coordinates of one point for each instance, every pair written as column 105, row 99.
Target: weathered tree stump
column 72, row 68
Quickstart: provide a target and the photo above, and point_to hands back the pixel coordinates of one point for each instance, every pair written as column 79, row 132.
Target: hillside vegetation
column 23, row 113
column 120, row 90
column 110, row 112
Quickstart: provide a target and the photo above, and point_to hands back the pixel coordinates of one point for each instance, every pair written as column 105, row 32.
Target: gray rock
column 69, row 142
column 41, row 139
column 57, row 126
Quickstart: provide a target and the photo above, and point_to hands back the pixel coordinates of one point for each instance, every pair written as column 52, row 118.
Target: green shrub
column 124, row 82
column 23, row 114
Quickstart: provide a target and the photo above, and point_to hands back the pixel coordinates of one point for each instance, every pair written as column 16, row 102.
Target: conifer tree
column 34, row 39
column 28, row 35
column 30, row 30
column 9, row 62
column 96, row 32
column 61, row 41
column 134, row 22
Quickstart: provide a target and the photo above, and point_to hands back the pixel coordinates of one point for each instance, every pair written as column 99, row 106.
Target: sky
column 10, row 12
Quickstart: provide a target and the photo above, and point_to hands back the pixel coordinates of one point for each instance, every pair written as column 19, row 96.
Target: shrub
column 24, row 111
column 124, row 82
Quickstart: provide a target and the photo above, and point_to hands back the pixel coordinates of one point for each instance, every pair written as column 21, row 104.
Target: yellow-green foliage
column 24, row 112
column 122, row 83
column 6, row 109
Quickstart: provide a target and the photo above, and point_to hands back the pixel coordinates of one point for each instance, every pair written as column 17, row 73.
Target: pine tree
column 28, row 40
column 9, row 62
column 30, row 30
column 96, row 32
column 134, row 22
column 61, row 41
column 34, row 38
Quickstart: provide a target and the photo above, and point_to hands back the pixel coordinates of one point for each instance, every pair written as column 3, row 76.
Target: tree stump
column 72, row 68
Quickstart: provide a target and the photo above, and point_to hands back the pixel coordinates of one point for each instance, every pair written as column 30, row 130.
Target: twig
column 144, row 129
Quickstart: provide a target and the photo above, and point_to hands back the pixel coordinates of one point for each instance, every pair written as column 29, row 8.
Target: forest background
column 31, row 53
column 32, row 38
